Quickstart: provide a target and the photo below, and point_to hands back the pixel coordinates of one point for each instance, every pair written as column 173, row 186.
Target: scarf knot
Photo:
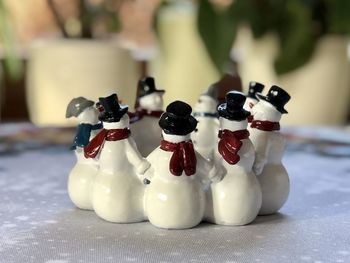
column 183, row 158
column 230, row 143
column 95, row 145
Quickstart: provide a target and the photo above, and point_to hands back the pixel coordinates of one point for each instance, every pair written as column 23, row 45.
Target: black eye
column 199, row 100
column 196, row 130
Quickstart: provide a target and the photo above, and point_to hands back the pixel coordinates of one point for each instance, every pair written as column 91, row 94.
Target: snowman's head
column 121, row 124
column 265, row 111
column 152, row 102
column 206, row 103
column 231, row 125
column 175, row 138
column 89, row 115
column 249, row 103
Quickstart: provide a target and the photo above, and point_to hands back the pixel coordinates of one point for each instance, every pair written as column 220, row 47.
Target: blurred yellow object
column 183, row 67
column 63, row 69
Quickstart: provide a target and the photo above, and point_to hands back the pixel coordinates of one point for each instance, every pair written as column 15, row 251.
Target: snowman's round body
column 173, row 202
column 117, row 192
column 80, row 180
column 205, row 136
column 274, row 179
column 147, row 134
column 236, row 199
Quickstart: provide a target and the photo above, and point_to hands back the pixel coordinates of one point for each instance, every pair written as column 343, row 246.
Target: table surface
column 38, row 223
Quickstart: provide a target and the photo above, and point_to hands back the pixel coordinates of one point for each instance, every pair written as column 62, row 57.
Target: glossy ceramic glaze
column 176, row 202
column 118, row 191
column 82, row 176
column 269, row 147
column 80, row 180
column 236, row 199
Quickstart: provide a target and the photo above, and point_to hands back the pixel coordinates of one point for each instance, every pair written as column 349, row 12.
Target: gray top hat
column 212, row 91
column 77, row 106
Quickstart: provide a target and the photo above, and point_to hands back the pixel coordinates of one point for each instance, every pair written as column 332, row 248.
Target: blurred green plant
column 12, row 64
column 89, row 15
column 298, row 24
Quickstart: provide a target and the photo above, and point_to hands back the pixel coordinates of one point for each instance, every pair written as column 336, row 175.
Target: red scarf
column 183, row 158
column 94, row 147
column 265, row 125
column 250, row 118
column 230, row 143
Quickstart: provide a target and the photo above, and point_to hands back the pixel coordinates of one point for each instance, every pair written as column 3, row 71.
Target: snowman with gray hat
column 204, row 136
column 84, row 171
column 118, row 190
column 236, row 199
column 269, row 146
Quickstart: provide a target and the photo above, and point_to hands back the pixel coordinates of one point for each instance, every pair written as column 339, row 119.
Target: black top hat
column 147, row 86
column 277, row 96
column 255, row 87
column 112, row 112
column 233, row 108
column 177, row 119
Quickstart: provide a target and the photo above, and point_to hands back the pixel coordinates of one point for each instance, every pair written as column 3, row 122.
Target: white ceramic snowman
column 145, row 129
column 118, row 192
column 175, row 197
column 235, row 200
column 204, row 136
column 254, row 88
column 269, row 146
column 82, row 175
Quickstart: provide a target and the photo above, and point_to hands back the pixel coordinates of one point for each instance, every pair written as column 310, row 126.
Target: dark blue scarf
column 82, row 136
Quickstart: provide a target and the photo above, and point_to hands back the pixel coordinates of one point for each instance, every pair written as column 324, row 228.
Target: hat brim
column 239, row 115
column 265, row 98
column 83, row 106
column 168, row 126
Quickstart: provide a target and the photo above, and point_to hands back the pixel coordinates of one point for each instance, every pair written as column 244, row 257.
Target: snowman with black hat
column 144, row 126
column 236, row 199
column 204, row 136
column 252, row 99
column 82, row 175
column 175, row 198
column 269, row 147
column 118, row 191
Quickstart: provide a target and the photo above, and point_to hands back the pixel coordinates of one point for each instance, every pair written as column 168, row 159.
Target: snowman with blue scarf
column 83, row 173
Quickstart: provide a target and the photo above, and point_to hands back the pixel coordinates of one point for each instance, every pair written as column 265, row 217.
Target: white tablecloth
column 38, row 223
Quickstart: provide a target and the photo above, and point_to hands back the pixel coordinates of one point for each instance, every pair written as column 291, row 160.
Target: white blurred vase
column 320, row 89
column 63, row 69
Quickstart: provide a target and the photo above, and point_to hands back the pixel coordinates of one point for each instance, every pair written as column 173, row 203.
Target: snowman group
column 177, row 168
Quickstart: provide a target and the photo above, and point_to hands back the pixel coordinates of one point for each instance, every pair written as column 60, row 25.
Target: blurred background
column 54, row 50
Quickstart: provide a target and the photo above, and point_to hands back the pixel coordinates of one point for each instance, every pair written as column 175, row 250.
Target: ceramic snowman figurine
column 118, row 192
column 236, row 199
column 204, row 136
column 145, row 129
column 254, row 88
column 269, row 146
column 83, row 173
column 175, row 198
